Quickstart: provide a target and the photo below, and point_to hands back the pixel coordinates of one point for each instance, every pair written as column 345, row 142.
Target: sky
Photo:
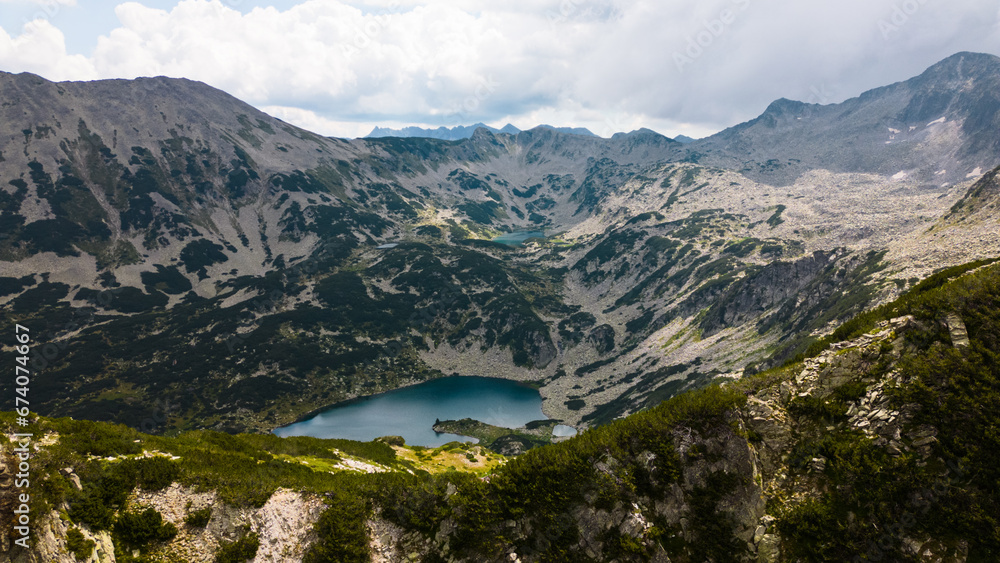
column 342, row 67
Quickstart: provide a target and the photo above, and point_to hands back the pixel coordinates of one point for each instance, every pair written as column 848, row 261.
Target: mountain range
column 165, row 241
column 463, row 131
column 660, row 255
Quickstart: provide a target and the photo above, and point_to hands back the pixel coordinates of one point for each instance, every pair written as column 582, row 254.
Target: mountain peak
column 879, row 129
column 966, row 57
column 570, row 130
column 638, row 133
column 958, row 68
column 784, row 106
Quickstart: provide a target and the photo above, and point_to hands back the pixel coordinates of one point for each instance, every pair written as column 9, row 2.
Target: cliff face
column 283, row 527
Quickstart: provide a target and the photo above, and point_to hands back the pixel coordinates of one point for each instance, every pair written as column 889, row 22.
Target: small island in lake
column 506, row 441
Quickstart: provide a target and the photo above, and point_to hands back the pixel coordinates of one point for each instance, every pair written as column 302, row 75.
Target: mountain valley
column 193, row 268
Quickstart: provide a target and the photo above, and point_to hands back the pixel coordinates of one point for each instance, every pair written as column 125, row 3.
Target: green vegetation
column 874, row 500
column 865, row 489
column 534, row 434
column 199, row 518
column 775, row 219
column 168, row 280
column 908, row 303
column 200, row 254
column 245, row 469
column 838, row 291
column 238, row 551
column 544, row 483
column 136, row 529
column 830, row 410
column 341, row 531
column 78, row 545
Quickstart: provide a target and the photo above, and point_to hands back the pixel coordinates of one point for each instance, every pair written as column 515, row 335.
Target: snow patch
column 936, row 121
column 894, row 131
column 940, row 172
column 899, row 175
column 912, row 127
column 977, row 172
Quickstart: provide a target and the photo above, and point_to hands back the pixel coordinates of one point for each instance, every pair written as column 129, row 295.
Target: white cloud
column 310, row 121
column 41, row 2
column 41, row 49
column 567, row 62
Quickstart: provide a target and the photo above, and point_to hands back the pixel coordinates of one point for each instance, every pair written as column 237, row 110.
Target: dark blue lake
column 517, row 237
column 410, row 412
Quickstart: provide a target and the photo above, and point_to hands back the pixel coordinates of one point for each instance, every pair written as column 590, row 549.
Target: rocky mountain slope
column 937, row 128
column 880, row 445
column 169, row 242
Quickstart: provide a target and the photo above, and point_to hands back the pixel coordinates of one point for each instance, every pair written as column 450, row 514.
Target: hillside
column 171, row 243
column 879, row 445
column 936, row 128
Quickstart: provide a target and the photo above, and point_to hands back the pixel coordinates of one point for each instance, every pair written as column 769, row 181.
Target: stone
column 957, row 330
column 818, row 464
column 912, row 546
column 768, row 549
column 785, row 391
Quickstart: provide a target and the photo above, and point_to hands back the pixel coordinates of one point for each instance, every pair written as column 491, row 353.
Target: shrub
column 155, row 473
column 238, row 551
column 79, row 546
column 136, row 529
column 342, row 533
column 199, row 518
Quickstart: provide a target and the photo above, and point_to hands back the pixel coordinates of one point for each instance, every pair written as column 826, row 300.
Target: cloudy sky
column 340, row 67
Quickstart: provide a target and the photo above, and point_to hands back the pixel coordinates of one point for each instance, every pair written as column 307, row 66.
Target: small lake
column 517, row 237
column 410, row 412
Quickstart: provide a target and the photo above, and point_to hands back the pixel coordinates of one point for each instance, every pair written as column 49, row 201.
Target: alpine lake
column 411, row 411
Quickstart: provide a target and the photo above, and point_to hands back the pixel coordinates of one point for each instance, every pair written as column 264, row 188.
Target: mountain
column 684, row 139
column 880, row 445
column 464, row 131
column 937, row 128
column 444, row 133
column 169, row 242
column 571, row 130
